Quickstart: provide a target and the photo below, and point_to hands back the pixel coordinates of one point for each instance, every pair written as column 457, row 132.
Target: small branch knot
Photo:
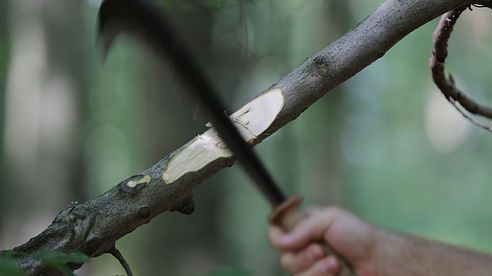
column 187, row 206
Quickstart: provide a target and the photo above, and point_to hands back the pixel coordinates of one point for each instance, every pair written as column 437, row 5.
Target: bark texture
column 93, row 227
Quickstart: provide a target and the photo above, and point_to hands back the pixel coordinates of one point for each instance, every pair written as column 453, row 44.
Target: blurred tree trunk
column 43, row 113
column 244, row 211
column 324, row 155
column 4, row 42
column 68, row 54
column 196, row 22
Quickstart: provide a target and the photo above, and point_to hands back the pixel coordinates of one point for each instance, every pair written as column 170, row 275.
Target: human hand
column 351, row 237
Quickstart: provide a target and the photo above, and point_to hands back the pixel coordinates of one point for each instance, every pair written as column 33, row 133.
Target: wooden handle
column 288, row 215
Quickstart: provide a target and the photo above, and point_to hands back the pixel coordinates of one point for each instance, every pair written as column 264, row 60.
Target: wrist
column 381, row 254
column 375, row 253
column 389, row 251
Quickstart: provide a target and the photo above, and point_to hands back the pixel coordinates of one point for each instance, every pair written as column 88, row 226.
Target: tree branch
column 93, row 227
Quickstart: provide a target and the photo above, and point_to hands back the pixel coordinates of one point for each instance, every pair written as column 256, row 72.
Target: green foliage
column 60, row 261
column 8, row 266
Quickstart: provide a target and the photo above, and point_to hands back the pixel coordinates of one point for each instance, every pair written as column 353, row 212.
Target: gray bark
column 93, row 227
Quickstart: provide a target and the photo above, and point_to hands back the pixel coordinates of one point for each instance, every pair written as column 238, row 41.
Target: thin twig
column 467, row 116
column 117, row 254
column 447, row 86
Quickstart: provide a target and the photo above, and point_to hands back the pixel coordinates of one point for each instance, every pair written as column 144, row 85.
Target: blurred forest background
column 385, row 144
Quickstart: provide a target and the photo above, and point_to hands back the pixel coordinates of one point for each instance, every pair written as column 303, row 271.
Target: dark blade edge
column 162, row 38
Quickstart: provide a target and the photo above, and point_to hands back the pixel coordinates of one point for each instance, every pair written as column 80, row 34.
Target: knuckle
column 314, row 247
column 334, row 211
column 314, row 251
column 313, row 210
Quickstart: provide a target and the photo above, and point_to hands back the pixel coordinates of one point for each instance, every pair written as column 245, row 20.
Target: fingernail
column 330, row 265
column 315, row 253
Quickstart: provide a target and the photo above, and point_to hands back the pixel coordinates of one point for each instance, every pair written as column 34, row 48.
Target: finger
column 313, row 210
column 309, row 230
column 325, row 267
column 300, row 261
column 275, row 233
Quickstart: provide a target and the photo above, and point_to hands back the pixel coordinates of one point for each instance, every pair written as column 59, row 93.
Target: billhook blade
column 142, row 20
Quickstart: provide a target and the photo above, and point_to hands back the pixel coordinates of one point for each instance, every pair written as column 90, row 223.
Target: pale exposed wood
column 142, row 181
column 202, row 150
column 251, row 120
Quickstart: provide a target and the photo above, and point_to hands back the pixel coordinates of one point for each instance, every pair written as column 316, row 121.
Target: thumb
column 309, row 230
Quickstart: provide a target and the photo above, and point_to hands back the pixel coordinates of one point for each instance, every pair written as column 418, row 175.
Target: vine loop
column 460, row 100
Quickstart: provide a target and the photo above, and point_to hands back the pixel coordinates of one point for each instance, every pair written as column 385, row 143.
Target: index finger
column 275, row 234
